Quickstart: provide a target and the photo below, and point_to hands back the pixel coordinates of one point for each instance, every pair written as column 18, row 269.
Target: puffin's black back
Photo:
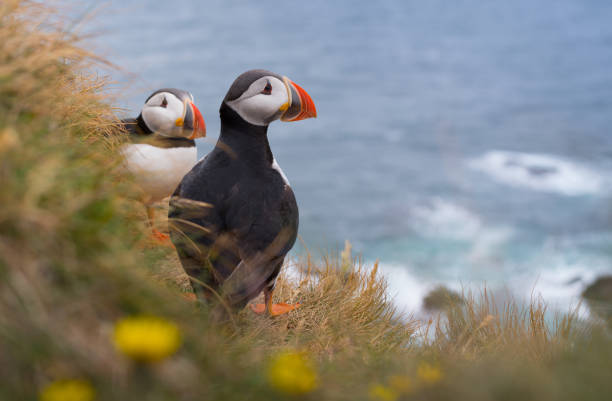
column 233, row 218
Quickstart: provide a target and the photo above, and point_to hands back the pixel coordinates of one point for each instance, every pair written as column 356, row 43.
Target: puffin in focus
column 234, row 216
column 161, row 147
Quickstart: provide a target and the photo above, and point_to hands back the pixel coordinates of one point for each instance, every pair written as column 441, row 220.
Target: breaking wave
column 538, row 172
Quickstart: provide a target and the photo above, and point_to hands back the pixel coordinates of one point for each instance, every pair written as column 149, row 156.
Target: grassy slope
column 74, row 259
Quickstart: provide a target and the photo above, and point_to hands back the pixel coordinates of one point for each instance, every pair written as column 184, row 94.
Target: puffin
column 160, row 148
column 234, row 217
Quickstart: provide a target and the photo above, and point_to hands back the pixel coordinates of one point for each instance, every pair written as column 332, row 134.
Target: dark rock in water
column 541, row 170
column 574, row 280
column 535, row 170
column 441, row 298
column 599, row 297
column 600, row 290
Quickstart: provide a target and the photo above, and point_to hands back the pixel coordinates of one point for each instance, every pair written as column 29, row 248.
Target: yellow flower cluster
column 429, row 374
column 402, row 385
column 146, row 339
column 378, row 392
column 292, row 373
column 398, row 385
column 67, row 390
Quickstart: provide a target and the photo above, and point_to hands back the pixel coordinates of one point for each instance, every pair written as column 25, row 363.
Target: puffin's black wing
column 232, row 232
column 130, row 125
column 195, row 224
column 266, row 229
column 134, row 128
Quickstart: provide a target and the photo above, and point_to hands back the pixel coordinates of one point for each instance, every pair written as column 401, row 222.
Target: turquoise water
column 458, row 142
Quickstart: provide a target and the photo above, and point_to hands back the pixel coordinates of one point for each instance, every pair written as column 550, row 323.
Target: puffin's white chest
column 158, row 171
column 276, row 167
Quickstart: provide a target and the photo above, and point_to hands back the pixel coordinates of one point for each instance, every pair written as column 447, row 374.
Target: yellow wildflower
column 401, row 384
column 292, row 373
column 67, row 390
column 146, row 339
column 8, row 139
column 378, row 392
column 429, row 374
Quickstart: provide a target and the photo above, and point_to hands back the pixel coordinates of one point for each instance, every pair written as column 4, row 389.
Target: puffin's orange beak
column 300, row 105
column 199, row 127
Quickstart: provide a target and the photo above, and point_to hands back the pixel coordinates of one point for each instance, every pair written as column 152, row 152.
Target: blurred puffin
column 234, row 217
column 161, row 147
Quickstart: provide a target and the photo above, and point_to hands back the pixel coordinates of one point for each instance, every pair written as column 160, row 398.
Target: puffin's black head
column 260, row 97
column 170, row 112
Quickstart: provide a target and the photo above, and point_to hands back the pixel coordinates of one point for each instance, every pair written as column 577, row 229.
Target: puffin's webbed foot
column 273, row 309
column 159, row 236
column 189, row 296
column 155, row 233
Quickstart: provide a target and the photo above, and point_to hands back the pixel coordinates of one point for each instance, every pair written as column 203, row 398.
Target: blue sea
column 459, row 143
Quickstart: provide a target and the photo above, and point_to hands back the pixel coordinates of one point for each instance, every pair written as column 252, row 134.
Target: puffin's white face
column 263, row 102
column 163, row 113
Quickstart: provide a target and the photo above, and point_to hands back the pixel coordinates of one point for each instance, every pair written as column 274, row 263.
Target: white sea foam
column 539, row 172
column 443, row 219
column 560, row 282
column 405, row 289
column 557, row 281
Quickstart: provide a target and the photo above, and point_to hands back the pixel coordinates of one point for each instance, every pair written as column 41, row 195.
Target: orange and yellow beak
column 193, row 121
column 300, row 105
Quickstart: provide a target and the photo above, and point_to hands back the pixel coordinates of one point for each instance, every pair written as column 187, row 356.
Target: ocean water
column 459, row 143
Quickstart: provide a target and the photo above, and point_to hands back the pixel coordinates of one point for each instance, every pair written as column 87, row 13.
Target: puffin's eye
column 164, row 103
column 268, row 89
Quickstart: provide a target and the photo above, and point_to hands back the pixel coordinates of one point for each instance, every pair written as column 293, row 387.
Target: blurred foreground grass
column 90, row 309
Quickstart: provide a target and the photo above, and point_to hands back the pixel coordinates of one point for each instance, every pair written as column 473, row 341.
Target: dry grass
column 478, row 326
column 73, row 261
column 46, row 73
column 341, row 306
column 340, row 312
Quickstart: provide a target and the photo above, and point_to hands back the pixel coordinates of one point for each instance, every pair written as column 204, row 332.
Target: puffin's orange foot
column 282, row 308
column 275, row 309
column 189, row 296
column 159, row 236
column 258, row 308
